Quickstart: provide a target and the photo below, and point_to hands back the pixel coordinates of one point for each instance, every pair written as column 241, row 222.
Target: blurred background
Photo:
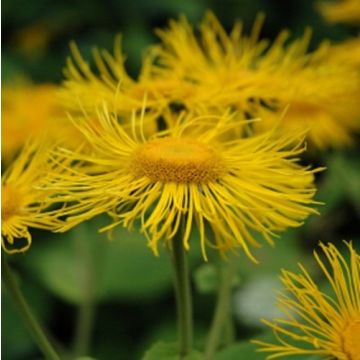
column 127, row 290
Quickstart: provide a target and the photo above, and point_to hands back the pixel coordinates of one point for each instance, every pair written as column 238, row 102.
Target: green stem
column 86, row 311
column 84, row 328
column 222, row 311
column 183, row 296
column 26, row 314
column 229, row 335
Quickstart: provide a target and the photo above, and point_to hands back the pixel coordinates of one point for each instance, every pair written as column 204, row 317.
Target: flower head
column 318, row 323
column 23, row 204
column 192, row 173
column 261, row 78
column 208, row 69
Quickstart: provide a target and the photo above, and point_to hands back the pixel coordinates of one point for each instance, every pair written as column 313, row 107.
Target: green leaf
column 242, row 350
column 83, row 262
column 169, row 351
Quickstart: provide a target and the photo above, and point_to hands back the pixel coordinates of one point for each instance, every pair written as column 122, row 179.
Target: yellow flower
column 315, row 322
column 83, row 86
column 34, row 111
column 261, row 79
column 218, row 68
column 22, row 203
column 215, row 70
column 193, row 173
column 324, row 129
column 341, row 11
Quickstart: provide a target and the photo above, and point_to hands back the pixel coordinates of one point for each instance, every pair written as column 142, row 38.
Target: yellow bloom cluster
column 316, row 322
column 210, row 69
column 205, row 143
column 208, row 136
column 175, row 148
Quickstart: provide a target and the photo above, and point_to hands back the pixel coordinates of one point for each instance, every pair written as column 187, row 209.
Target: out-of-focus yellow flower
column 33, row 111
column 218, row 68
column 83, row 85
column 341, row 11
column 318, row 323
column 189, row 174
column 322, row 98
column 324, row 129
column 215, row 70
column 23, row 205
column 251, row 75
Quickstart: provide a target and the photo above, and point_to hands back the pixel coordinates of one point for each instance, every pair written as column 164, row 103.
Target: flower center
column 302, row 111
column 351, row 340
column 178, row 160
column 9, row 202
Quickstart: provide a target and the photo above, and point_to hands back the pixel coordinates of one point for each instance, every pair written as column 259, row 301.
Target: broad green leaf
column 83, row 263
column 167, row 332
column 169, row 351
column 242, row 350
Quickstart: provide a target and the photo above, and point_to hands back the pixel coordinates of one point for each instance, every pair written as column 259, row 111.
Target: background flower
column 23, row 205
column 207, row 68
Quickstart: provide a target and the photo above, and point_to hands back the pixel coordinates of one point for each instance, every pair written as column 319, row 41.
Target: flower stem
column 222, row 311
column 183, row 296
column 86, row 311
column 26, row 314
column 229, row 335
column 84, row 327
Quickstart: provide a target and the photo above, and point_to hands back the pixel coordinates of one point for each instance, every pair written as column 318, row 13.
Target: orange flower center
column 178, row 160
column 301, row 111
column 10, row 202
column 351, row 340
